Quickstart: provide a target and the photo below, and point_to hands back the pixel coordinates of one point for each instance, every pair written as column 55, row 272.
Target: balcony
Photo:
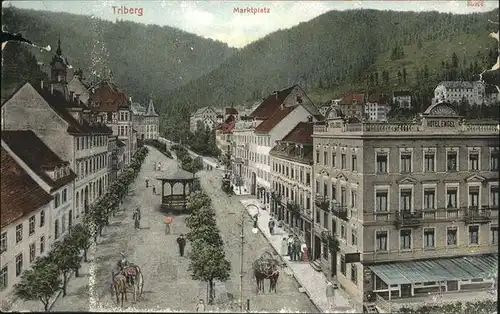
column 340, row 211
column 322, row 202
column 408, row 219
column 474, row 215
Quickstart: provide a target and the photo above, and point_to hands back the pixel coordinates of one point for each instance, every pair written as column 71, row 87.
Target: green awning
column 457, row 268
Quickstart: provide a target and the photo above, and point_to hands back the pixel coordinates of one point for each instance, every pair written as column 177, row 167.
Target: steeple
column 151, row 109
column 59, row 51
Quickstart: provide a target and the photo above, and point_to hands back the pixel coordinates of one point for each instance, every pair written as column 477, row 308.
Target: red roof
column 231, row 111
column 301, row 133
column 379, row 98
column 350, row 99
column 106, row 97
column 268, row 124
column 21, row 195
column 228, row 125
column 271, row 104
column 37, row 156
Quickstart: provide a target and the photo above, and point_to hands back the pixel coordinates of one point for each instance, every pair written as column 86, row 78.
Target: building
column 402, row 98
column 206, row 115
column 25, row 211
column 223, row 134
column 146, row 121
column 420, row 195
column 456, row 91
column 291, row 172
column 50, row 172
column 77, row 87
column 352, row 104
column 256, row 134
column 377, row 107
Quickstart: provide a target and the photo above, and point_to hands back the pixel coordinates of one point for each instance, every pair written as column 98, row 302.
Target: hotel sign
column 442, row 123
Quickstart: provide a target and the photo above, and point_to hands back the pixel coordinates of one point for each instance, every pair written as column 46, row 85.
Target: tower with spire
column 151, row 121
column 59, row 71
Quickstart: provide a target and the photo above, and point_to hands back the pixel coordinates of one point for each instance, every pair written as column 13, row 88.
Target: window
column 451, row 197
column 429, row 238
column 405, row 200
column 64, row 196
column 473, row 234
column 42, row 218
column 405, row 239
column 451, row 236
column 381, row 201
column 31, row 225
column 19, row 264
column 381, row 240
column 451, row 161
column 406, row 162
column 334, row 156
column 494, row 161
column 19, row 233
column 342, row 265
column 354, row 198
column 354, row 237
column 57, row 201
column 42, row 244
column 317, row 156
column 494, row 196
column 343, row 231
column 429, row 158
column 473, row 160
column 343, row 161
column 56, row 229
column 325, row 158
column 354, row 274
column 4, row 281
column 382, row 162
column 3, row 242
column 494, row 235
column 474, row 196
column 32, row 252
column 429, row 198
column 63, row 224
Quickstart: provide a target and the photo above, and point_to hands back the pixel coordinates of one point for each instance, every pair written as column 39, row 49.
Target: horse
column 134, row 277
column 119, row 288
column 259, row 277
column 273, row 280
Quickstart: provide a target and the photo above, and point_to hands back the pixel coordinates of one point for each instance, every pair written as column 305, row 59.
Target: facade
column 377, row 107
column 456, row 91
column 352, row 104
column 113, row 107
column 291, row 172
column 420, row 196
column 146, row 121
column 224, row 133
column 255, row 135
column 51, row 173
column 77, row 87
column 25, row 213
column 402, row 98
column 207, row 115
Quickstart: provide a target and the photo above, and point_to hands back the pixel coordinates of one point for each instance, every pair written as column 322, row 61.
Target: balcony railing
column 477, row 215
column 340, row 211
column 322, row 202
column 408, row 219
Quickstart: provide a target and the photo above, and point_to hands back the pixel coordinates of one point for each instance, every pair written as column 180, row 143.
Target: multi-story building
column 256, row 134
column 145, row 121
column 51, row 173
column 291, row 171
column 25, row 211
column 422, row 196
column 376, row 107
column 402, row 98
column 113, row 107
column 352, row 104
column 223, row 134
column 456, row 91
column 206, row 116
column 78, row 87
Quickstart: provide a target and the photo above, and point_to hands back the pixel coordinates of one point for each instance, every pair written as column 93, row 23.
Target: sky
column 218, row 19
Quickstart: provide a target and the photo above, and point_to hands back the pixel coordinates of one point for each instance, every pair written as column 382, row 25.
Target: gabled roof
column 271, row 104
column 301, row 133
column 458, row 84
column 37, row 156
column 379, row 98
column 231, row 111
column 151, row 109
column 137, row 108
column 202, row 110
column 352, row 98
column 20, row 194
column 268, row 124
column 106, row 97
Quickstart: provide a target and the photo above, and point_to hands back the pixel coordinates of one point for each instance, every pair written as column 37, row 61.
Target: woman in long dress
column 303, row 248
column 284, row 247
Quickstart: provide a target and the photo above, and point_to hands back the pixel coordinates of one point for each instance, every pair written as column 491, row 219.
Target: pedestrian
column 159, row 166
column 296, row 248
column 182, row 244
column 303, row 249
column 147, row 182
column 330, row 295
column 154, row 189
column 290, row 242
column 255, row 220
column 200, row 307
column 284, row 246
column 271, row 225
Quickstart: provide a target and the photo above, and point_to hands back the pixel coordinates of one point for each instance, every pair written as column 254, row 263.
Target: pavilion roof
column 179, row 174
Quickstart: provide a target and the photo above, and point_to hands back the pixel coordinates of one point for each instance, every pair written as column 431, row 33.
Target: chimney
column 52, row 89
column 309, row 119
column 41, row 84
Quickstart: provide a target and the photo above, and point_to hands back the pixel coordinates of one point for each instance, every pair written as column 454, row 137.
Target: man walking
column 200, row 307
column 147, row 182
column 154, row 189
column 290, row 243
column 182, row 244
column 271, row 225
column 330, row 295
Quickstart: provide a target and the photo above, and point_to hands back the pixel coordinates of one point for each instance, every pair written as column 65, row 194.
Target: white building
column 25, row 213
column 207, row 116
column 455, row 91
column 51, row 173
column 402, row 98
column 256, row 135
column 146, row 121
column 377, row 107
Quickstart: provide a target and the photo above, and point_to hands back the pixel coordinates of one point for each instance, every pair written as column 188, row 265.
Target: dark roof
column 293, row 153
column 37, row 156
column 350, row 99
column 231, row 111
column 106, row 97
column 180, row 174
column 268, row 124
column 402, row 93
column 20, row 194
column 301, row 133
column 271, row 103
column 61, row 105
column 379, row 98
column 119, row 143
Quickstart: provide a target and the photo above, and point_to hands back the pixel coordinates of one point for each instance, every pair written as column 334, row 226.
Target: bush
column 159, row 146
column 477, row 307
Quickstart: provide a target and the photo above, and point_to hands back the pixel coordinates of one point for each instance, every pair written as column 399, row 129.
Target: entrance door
column 406, row 290
column 254, row 184
column 308, row 236
column 317, row 248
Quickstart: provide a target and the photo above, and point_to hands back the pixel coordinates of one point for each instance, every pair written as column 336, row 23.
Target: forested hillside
column 144, row 59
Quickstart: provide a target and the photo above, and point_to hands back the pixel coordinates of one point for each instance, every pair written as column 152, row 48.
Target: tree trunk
column 211, row 292
column 65, row 281
column 85, row 255
column 46, row 305
column 77, row 272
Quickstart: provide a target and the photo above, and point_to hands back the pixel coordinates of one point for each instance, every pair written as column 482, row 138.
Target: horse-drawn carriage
column 128, row 277
column 226, row 184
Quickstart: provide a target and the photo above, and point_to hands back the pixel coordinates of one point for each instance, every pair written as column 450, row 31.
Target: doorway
column 406, row 290
column 317, row 248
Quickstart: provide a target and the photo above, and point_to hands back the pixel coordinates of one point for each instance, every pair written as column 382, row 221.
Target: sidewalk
column 312, row 281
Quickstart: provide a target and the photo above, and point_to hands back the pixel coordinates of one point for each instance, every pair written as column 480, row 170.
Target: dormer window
column 56, row 173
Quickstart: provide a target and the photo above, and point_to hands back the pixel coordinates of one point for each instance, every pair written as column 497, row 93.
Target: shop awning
column 457, row 268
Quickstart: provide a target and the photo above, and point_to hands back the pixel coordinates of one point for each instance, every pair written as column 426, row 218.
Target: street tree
column 41, row 282
column 208, row 234
column 209, row 263
column 202, row 217
column 67, row 259
column 81, row 237
column 198, row 200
